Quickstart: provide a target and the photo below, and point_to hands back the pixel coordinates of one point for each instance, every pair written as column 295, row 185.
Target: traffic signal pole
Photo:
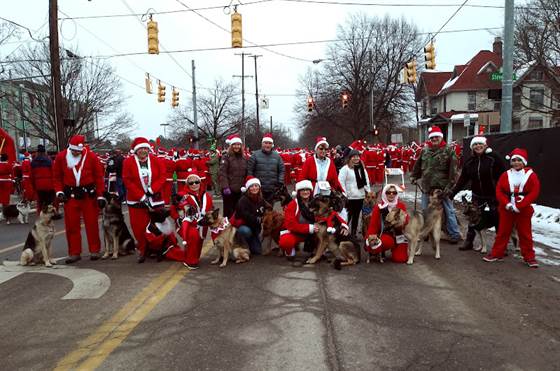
column 257, row 93
column 195, row 113
column 55, row 76
column 507, row 69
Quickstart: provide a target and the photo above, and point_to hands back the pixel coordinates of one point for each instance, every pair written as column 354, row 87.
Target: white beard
column 71, row 160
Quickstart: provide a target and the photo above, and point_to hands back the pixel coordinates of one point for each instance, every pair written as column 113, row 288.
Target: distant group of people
column 248, row 182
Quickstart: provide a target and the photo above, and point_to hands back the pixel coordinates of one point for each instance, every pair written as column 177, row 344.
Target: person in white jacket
column 354, row 180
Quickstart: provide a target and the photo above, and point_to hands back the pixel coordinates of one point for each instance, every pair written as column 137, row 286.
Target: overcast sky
column 265, row 22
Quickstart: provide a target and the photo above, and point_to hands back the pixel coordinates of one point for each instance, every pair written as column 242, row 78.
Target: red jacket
column 369, row 157
column 91, row 172
column 309, row 172
column 200, row 206
column 520, row 197
column 292, row 222
column 135, row 191
column 375, row 222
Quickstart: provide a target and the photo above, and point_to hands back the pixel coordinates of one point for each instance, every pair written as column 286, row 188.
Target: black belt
column 80, row 192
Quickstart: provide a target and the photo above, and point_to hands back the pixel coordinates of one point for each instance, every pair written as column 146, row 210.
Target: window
column 535, row 123
column 517, row 100
column 424, row 107
column 537, row 76
column 556, row 101
column 497, row 106
column 537, row 98
column 434, row 110
column 516, row 124
column 472, row 101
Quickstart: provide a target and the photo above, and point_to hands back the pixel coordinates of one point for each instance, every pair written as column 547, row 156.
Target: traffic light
column 344, row 99
column 148, row 84
column 375, row 131
column 236, row 34
column 161, row 92
column 174, row 98
column 430, row 56
column 153, row 42
column 410, row 72
column 310, row 104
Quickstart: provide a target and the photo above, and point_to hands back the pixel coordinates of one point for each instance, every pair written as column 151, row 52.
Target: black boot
column 468, row 244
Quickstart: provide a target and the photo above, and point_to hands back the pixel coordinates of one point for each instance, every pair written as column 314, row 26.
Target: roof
column 433, row 81
column 462, row 116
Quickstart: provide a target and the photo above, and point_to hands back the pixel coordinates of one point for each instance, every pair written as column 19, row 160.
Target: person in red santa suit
column 516, row 190
column 144, row 177
column 78, row 182
column 369, row 157
column 380, row 238
column 195, row 204
column 320, row 169
column 6, row 180
column 28, row 191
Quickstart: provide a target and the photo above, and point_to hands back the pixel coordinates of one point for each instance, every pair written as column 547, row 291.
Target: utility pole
column 371, row 126
column 55, row 75
column 195, row 114
column 271, row 124
column 257, row 93
column 507, row 69
column 243, row 129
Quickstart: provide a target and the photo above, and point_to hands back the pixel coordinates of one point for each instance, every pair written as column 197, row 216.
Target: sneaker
column 141, row 259
column 72, row 259
column 94, row 256
column 467, row 245
column 491, row 259
column 191, row 267
column 454, row 240
column 532, row 263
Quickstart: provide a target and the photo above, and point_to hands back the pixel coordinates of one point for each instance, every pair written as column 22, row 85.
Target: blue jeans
column 251, row 238
column 452, row 226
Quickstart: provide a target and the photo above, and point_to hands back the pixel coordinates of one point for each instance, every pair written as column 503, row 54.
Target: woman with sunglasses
column 248, row 214
column 355, row 181
column 387, row 239
column 480, row 172
column 517, row 189
column 195, row 203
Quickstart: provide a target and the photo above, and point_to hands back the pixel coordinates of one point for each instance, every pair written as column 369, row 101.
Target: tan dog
column 223, row 235
column 412, row 231
column 37, row 247
column 367, row 209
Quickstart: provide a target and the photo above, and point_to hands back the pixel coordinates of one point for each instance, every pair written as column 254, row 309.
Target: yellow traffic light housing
column 430, row 56
column 310, row 104
column 410, row 72
column 236, row 30
column 344, row 98
column 153, row 41
column 174, row 98
column 148, row 83
column 161, row 92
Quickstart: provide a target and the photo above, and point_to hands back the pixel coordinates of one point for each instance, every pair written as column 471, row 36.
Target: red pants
column 6, row 189
column 380, row 175
column 73, row 210
column 522, row 223
column 139, row 220
column 371, row 176
column 166, row 192
column 289, row 241
column 388, row 243
column 191, row 234
column 28, row 191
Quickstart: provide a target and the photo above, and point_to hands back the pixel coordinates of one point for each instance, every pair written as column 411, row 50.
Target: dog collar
column 225, row 223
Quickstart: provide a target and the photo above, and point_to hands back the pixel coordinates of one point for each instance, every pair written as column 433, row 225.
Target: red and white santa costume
column 167, row 188
column 196, row 205
column 380, row 169
column 6, row 182
column 144, row 182
column 296, row 228
column 161, row 236
column 369, row 157
column 515, row 192
column 28, row 191
column 310, row 167
column 80, row 180
column 389, row 240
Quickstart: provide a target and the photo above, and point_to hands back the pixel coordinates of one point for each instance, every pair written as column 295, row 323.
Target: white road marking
column 87, row 283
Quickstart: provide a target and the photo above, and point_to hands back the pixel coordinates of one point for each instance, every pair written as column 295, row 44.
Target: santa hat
column 267, row 138
column 321, row 140
column 76, row 143
column 478, row 140
column 519, row 153
column 434, row 131
column 249, row 181
column 232, row 139
column 140, row 142
column 192, row 173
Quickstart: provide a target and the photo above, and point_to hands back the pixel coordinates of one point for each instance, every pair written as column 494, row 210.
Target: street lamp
column 165, row 125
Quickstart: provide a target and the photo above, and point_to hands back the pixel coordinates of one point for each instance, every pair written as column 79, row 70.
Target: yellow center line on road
column 92, row 351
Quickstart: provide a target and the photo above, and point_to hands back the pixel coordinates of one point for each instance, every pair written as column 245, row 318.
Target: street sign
column 467, row 120
column 396, row 138
column 498, row 76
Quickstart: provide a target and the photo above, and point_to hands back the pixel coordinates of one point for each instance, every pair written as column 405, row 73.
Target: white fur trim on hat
column 235, row 140
column 249, row 183
column 142, row 145
column 478, row 140
column 435, row 134
column 79, row 147
column 304, row 184
column 267, row 138
column 524, row 160
column 322, row 141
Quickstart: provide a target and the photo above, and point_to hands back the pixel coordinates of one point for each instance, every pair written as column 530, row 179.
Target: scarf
column 385, row 203
column 360, row 176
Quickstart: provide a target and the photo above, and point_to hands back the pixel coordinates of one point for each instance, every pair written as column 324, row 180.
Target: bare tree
column 93, row 102
column 365, row 63
column 218, row 112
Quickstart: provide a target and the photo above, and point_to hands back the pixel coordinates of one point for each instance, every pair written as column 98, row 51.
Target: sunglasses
column 194, row 182
column 391, row 193
column 322, row 149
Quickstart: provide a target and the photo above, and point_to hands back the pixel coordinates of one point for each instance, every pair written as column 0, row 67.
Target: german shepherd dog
column 37, row 248
column 412, row 231
column 281, row 194
column 223, row 235
column 116, row 235
column 345, row 249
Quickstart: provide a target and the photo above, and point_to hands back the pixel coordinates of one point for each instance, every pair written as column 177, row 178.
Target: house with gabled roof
column 467, row 100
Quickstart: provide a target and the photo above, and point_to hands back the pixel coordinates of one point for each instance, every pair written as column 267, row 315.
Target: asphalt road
column 458, row 313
